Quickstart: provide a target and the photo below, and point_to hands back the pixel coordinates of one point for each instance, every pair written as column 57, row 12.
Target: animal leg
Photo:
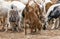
column 57, row 23
column 6, row 24
column 53, row 24
column 18, row 27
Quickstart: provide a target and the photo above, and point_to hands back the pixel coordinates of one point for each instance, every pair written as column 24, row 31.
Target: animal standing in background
column 53, row 12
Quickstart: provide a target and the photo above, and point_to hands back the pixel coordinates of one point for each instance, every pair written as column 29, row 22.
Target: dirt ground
column 44, row 34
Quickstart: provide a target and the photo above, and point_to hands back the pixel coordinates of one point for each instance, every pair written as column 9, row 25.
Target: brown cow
column 30, row 13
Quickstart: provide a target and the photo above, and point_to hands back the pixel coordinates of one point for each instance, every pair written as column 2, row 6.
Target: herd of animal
column 32, row 14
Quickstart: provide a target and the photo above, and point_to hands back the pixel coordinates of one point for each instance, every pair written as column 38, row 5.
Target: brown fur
column 31, row 14
column 48, row 5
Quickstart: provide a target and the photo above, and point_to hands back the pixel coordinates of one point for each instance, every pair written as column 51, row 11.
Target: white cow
column 19, row 7
column 5, row 7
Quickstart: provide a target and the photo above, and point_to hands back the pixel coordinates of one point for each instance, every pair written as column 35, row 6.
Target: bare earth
column 44, row 34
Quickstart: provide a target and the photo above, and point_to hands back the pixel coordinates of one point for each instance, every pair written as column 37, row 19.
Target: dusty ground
column 44, row 34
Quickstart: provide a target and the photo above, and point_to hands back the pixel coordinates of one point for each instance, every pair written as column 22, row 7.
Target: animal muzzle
column 12, row 19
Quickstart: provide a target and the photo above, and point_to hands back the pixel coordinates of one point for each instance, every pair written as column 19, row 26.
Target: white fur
column 24, row 1
column 20, row 6
column 5, row 7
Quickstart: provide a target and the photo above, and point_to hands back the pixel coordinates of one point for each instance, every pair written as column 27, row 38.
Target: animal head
column 29, row 8
column 13, row 15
